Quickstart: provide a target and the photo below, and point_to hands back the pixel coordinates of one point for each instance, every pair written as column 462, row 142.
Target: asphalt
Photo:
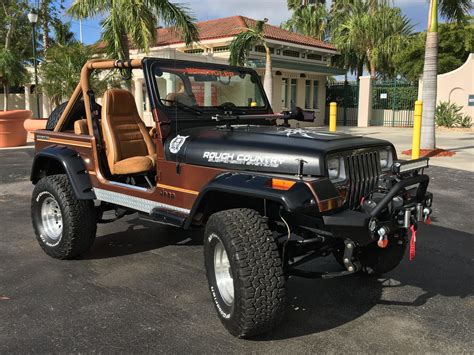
column 142, row 288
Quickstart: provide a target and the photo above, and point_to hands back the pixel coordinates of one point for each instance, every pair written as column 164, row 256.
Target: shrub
column 448, row 115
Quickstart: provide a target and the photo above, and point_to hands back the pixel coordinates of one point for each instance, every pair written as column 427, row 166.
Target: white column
column 207, row 93
column 139, row 96
column 365, row 101
column 420, row 89
column 45, row 106
column 27, row 97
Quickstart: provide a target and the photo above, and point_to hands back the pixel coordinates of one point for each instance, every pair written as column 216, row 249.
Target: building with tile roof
column 300, row 63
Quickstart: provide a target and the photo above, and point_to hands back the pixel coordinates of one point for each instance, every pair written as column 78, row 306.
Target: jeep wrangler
column 268, row 196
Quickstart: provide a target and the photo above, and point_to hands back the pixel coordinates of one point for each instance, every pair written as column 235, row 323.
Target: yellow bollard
column 332, row 116
column 415, row 149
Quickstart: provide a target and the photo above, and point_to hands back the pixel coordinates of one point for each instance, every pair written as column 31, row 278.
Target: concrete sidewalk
column 460, row 142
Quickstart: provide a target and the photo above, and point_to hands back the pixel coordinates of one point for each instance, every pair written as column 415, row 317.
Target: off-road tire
column 376, row 261
column 256, row 269
column 79, row 218
column 55, row 115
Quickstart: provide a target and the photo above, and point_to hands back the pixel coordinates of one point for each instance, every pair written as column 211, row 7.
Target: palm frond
column 112, row 34
column 175, row 15
column 88, row 8
column 241, row 45
column 456, row 10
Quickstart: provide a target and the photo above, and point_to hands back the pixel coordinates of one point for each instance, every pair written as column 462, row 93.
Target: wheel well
column 45, row 166
column 215, row 201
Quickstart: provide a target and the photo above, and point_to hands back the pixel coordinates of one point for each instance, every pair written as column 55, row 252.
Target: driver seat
column 128, row 146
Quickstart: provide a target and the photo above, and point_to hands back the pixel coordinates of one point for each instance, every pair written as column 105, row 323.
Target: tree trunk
column 6, row 91
column 430, row 86
column 268, row 81
column 125, row 55
column 360, row 69
column 430, row 80
column 44, row 13
column 371, row 64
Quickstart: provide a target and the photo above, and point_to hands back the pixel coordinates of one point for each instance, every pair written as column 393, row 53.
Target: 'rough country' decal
column 176, row 143
column 243, row 159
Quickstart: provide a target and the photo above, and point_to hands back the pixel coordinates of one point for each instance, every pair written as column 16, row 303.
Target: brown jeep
column 270, row 197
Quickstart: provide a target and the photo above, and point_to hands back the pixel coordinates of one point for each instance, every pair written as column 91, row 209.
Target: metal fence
column 393, row 102
column 346, row 95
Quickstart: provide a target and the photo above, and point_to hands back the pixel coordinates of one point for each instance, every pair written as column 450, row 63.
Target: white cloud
column 275, row 10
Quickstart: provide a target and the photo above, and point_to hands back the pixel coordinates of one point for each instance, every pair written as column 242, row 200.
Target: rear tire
column 65, row 227
column 244, row 271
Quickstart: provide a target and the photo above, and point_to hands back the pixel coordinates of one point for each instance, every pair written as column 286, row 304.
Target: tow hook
column 383, row 237
column 427, row 215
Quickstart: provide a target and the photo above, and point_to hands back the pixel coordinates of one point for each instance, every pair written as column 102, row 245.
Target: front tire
column 244, row 271
column 65, row 227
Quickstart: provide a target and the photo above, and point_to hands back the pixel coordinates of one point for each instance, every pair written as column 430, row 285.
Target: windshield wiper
column 184, row 107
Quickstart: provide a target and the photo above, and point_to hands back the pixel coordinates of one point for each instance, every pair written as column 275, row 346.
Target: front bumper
column 406, row 203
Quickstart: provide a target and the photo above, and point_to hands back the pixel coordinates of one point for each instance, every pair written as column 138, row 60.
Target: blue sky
column 275, row 10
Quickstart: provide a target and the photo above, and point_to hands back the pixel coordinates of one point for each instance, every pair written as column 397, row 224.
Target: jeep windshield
column 198, row 89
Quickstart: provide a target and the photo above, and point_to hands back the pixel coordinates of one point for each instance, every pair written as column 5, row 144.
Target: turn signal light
column 279, row 184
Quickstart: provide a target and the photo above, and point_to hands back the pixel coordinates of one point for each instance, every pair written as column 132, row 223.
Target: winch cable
column 412, row 242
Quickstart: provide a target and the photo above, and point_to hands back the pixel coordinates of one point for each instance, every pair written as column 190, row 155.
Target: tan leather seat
column 129, row 147
column 80, row 127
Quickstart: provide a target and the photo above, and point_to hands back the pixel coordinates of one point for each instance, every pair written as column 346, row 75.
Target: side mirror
column 296, row 113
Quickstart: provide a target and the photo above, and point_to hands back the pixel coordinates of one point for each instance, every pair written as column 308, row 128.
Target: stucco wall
column 457, row 85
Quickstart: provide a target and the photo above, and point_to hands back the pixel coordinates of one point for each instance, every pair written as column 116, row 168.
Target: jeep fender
column 254, row 186
column 59, row 160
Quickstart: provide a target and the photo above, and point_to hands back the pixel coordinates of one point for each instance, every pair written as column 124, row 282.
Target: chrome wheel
column 51, row 219
column 224, row 280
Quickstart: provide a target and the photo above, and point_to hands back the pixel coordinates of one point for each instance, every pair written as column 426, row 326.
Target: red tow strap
column 412, row 242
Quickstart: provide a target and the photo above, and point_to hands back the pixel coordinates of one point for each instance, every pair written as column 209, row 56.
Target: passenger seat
column 129, row 147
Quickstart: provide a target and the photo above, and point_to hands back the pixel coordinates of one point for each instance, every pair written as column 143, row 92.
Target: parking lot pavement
column 142, row 288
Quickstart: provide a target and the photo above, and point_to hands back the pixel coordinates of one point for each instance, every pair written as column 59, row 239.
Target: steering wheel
column 227, row 105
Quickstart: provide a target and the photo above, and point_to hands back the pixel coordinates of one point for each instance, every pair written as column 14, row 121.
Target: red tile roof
column 231, row 26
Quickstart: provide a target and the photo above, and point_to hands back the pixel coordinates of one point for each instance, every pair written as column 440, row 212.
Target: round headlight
column 333, row 168
column 385, row 156
column 336, row 169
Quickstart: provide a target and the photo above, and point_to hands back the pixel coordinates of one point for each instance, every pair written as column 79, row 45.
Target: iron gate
column 393, row 102
column 346, row 95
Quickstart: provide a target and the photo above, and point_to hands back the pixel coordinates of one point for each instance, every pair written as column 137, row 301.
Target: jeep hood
column 262, row 148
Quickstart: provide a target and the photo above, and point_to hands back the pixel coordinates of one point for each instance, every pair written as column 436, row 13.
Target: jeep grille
column 363, row 172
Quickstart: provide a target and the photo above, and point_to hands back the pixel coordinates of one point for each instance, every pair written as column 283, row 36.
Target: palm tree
column 135, row 21
column 296, row 4
column 453, row 10
column 12, row 69
column 371, row 34
column 241, row 45
column 309, row 20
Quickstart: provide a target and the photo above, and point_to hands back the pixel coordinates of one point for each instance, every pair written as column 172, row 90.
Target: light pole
column 33, row 18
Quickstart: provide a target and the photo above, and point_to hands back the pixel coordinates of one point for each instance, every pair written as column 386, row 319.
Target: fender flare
column 72, row 164
column 244, row 184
